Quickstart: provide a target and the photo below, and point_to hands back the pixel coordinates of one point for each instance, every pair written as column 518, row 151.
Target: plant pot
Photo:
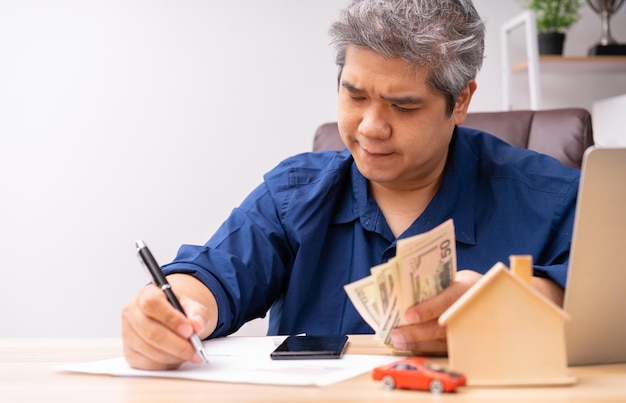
column 551, row 43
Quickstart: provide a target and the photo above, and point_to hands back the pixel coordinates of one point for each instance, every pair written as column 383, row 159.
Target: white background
column 152, row 119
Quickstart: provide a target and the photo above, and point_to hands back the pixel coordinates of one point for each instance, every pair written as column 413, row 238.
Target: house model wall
column 503, row 332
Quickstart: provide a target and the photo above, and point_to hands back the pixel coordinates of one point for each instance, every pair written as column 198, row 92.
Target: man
column 322, row 220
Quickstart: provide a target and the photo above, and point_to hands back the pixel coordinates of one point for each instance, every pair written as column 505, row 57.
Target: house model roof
column 499, row 272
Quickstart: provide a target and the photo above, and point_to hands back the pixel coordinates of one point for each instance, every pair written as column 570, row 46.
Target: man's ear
column 462, row 102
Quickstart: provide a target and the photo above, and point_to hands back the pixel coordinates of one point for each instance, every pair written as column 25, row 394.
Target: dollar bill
column 364, row 296
column 387, row 280
column 424, row 265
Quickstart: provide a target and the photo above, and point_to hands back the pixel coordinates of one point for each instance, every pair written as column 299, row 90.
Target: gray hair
column 444, row 36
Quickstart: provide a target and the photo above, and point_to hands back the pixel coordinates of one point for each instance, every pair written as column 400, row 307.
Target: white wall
column 126, row 119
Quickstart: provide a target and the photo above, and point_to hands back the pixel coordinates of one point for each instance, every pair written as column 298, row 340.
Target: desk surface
column 27, row 374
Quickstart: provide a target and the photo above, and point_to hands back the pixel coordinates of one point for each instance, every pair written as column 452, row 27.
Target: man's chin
column 377, row 176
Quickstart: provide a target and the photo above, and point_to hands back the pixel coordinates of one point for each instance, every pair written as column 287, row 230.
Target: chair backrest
column 564, row 134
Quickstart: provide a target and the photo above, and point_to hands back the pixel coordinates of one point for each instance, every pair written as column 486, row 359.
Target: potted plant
column 554, row 18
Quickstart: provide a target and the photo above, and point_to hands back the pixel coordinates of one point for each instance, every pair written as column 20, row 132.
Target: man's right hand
column 155, row 335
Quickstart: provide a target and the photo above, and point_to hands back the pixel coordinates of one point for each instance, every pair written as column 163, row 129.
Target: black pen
column 161, row 282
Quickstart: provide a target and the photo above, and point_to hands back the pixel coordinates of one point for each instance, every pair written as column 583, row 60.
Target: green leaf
column 554, row 15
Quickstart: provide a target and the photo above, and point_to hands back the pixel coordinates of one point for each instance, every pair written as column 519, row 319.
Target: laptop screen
column 595, row 295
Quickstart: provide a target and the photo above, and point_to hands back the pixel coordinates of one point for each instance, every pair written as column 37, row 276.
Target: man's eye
column 357, row 98
column 401, row 109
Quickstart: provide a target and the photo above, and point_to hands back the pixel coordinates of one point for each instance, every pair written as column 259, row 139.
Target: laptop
column 595, row 296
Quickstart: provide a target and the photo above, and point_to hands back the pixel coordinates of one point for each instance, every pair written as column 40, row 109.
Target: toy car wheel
column 435, row 386
column 388, row 382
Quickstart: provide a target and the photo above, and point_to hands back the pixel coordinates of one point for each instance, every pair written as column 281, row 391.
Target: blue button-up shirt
column 311, row 227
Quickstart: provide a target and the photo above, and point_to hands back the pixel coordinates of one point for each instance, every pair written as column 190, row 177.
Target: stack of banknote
column 424, row 265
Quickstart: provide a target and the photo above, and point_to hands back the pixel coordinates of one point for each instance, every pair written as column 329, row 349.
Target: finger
column 433, row 348
column 140, row 360
column 154, row 343
column 139, row 353
column 164, row 328
column 145, row 356
column 154, row 304
column 432, row 308
column 423, row 338
column 197, row 314
column 148, row 343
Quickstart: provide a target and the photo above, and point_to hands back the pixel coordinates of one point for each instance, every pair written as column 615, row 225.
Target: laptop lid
column 595, row 295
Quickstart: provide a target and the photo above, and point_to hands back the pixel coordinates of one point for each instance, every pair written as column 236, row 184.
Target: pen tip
column 139, row 244
column 203, row 355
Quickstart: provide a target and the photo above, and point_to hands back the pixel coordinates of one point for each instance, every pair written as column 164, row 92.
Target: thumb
column 432, row 308
column 197, row 314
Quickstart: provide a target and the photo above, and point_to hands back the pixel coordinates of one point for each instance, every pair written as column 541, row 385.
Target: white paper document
column 247, row 360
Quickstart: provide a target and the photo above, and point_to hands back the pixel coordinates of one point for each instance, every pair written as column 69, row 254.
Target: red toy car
column 418, row 373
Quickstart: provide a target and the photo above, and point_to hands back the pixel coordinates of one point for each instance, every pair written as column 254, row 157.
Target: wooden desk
column 27, row 375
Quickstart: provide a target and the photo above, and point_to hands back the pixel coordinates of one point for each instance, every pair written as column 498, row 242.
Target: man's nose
column 374, row 125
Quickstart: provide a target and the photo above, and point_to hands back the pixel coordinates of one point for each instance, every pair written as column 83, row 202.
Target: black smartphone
column 310, row 347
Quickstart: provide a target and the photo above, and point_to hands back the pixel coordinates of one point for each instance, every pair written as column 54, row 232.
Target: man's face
column 393, row 122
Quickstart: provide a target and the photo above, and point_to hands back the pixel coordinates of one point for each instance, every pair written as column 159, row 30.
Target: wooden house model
column 504, row 332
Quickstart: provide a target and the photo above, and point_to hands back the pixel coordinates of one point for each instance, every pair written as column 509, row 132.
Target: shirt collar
column 356, row 204
column 457, row 194
column 352, row 196
column 456, row 198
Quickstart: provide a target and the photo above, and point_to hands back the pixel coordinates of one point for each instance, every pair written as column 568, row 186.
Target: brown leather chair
column 563, row 134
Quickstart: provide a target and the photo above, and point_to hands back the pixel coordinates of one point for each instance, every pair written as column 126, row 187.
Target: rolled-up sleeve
column 243, row 264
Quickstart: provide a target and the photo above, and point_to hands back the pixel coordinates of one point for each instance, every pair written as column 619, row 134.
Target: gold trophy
column 607, row 45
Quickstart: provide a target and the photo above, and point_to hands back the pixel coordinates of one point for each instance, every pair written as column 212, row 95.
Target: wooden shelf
column 577, row 64
column 535, row 64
